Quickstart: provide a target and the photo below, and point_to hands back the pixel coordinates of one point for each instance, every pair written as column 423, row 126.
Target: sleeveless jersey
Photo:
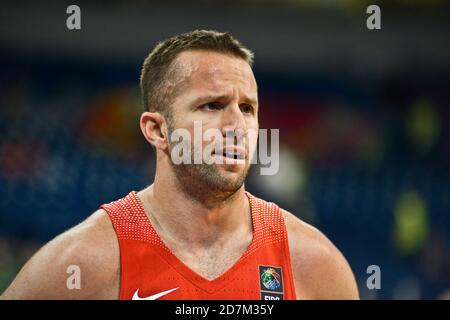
column 149, row 270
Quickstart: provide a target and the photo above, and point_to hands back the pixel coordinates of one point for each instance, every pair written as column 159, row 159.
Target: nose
column 234, row 124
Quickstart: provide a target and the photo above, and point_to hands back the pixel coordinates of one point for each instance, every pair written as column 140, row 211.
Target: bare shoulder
column 320, row 270
column 89, row 251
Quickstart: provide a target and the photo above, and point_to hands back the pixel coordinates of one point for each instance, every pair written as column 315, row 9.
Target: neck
column 185, row 219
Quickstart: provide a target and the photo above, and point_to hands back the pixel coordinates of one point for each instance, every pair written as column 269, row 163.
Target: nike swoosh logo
column 152, row 297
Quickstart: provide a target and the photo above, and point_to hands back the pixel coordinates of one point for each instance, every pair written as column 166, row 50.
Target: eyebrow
column 213, row 97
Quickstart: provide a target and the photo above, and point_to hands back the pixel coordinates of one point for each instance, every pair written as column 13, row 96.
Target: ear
column 154, row 129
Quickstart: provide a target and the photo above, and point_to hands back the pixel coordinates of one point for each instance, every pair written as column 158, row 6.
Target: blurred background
column 363, row 118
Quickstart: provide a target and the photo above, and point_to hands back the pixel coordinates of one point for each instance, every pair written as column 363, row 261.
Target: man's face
column 216, row 92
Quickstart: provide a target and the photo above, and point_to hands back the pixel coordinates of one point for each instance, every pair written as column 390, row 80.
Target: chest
column 221, row 273
column 211, row 262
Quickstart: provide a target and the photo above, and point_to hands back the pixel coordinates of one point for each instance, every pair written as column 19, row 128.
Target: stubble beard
column 206, row 183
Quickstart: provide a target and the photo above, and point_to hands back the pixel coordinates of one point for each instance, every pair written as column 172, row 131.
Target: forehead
column 201, row 71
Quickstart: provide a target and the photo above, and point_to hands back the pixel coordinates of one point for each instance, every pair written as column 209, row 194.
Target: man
column 195, row 233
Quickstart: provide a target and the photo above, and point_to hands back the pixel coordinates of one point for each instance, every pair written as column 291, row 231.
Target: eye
column 210, row 106
column 246, row 108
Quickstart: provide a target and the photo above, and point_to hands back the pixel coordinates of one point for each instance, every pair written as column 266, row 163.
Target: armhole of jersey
column 287, row 254
column 119, row 241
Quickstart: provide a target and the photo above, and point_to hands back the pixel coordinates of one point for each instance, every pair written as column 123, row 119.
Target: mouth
column 232, row 153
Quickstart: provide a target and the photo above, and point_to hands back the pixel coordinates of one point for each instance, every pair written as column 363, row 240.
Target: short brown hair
column 157, row 66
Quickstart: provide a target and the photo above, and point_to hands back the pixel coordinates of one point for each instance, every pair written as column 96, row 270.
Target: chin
column 232, row 180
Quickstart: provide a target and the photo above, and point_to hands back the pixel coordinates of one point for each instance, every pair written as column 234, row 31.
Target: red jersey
column 149, row 270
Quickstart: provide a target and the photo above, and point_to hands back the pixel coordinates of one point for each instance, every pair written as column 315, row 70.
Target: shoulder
column 319, row 268
column 91, row 248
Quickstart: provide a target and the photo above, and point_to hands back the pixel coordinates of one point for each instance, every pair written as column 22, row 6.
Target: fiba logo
column 271, row 283
column 270, row 279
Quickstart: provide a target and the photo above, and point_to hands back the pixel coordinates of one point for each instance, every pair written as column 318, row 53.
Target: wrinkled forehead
column 214, row 72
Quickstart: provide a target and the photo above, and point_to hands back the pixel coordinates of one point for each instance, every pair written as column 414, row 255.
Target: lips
column 232, row 153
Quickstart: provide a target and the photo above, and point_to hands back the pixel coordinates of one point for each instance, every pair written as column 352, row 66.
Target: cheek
column 201, row 120
column 252, row 139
